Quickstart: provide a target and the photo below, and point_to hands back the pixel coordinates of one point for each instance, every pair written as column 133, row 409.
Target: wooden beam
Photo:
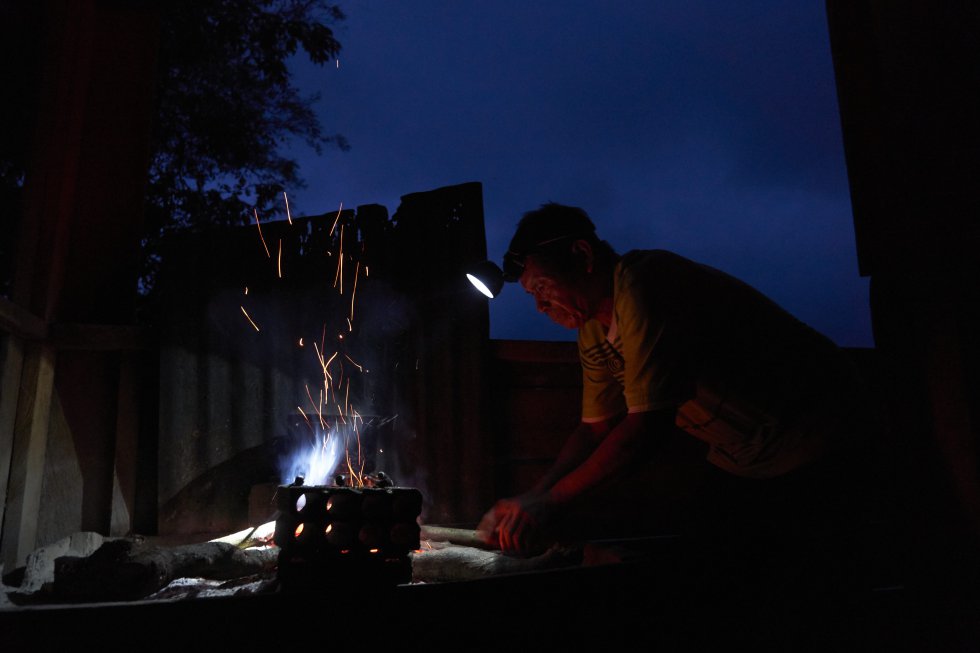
column 126, row 463
column 535, row 351
column 99, row 337
column 21, row 322
column 13, row 359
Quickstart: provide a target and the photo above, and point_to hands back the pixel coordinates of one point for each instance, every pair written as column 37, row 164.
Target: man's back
column 767, row 392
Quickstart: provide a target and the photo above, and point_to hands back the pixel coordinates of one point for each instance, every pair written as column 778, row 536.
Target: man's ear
column 583, row 248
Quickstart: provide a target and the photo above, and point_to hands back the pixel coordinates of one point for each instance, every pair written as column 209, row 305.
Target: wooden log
column 128, row 569
column 449, row 562
column 462, row 536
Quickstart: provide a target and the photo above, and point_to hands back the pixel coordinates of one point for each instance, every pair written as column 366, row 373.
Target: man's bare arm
column 628, row 441
column 578, row 447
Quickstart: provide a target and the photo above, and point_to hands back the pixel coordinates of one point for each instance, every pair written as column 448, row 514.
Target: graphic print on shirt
column 604, row 359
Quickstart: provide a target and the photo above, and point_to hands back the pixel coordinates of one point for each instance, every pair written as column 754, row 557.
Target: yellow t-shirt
column 766, row 392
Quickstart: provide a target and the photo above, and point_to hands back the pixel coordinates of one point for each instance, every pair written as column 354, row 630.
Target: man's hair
column 542, row 232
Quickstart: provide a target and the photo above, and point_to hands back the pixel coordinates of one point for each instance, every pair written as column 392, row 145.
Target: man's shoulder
column 638, row 258
column 651, row 264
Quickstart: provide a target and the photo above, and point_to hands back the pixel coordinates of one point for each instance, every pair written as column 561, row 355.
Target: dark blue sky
column 706, row 127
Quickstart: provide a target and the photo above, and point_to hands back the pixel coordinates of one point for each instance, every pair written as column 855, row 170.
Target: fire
column 335, row 432
column 299, row 530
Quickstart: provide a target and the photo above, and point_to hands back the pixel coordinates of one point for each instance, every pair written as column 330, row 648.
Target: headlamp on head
column 489, row 279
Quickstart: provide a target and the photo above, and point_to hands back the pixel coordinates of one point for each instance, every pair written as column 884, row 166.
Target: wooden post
column 76, row 250
column 29, row 445
column 909, row 99
column 13, row 360
column 445, row 367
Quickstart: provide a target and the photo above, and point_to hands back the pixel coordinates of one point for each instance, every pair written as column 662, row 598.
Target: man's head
column 557, row 257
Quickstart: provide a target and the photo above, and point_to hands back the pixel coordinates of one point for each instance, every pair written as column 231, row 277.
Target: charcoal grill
column 331, row 536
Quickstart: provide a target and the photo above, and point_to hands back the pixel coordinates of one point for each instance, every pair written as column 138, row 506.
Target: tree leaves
column 226, row 102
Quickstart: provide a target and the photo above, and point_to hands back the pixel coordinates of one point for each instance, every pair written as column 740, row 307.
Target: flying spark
column 289, row 216
column 353, row 291
column 261, row 237
column 249, row 318
column 301, row 412
column 337, row 218
column 352, row 361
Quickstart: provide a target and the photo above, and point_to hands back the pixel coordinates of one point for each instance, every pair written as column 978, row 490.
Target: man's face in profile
column 561, row 301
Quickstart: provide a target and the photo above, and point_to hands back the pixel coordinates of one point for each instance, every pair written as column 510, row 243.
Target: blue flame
column 316, row 462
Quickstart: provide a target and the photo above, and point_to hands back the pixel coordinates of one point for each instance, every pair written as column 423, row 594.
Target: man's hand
column 517, row 524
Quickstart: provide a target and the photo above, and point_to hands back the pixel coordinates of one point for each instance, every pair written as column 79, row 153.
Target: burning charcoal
column 378, row 479
column 298, row 533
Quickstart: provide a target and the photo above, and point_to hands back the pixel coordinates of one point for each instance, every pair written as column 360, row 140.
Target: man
column 666, row 343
